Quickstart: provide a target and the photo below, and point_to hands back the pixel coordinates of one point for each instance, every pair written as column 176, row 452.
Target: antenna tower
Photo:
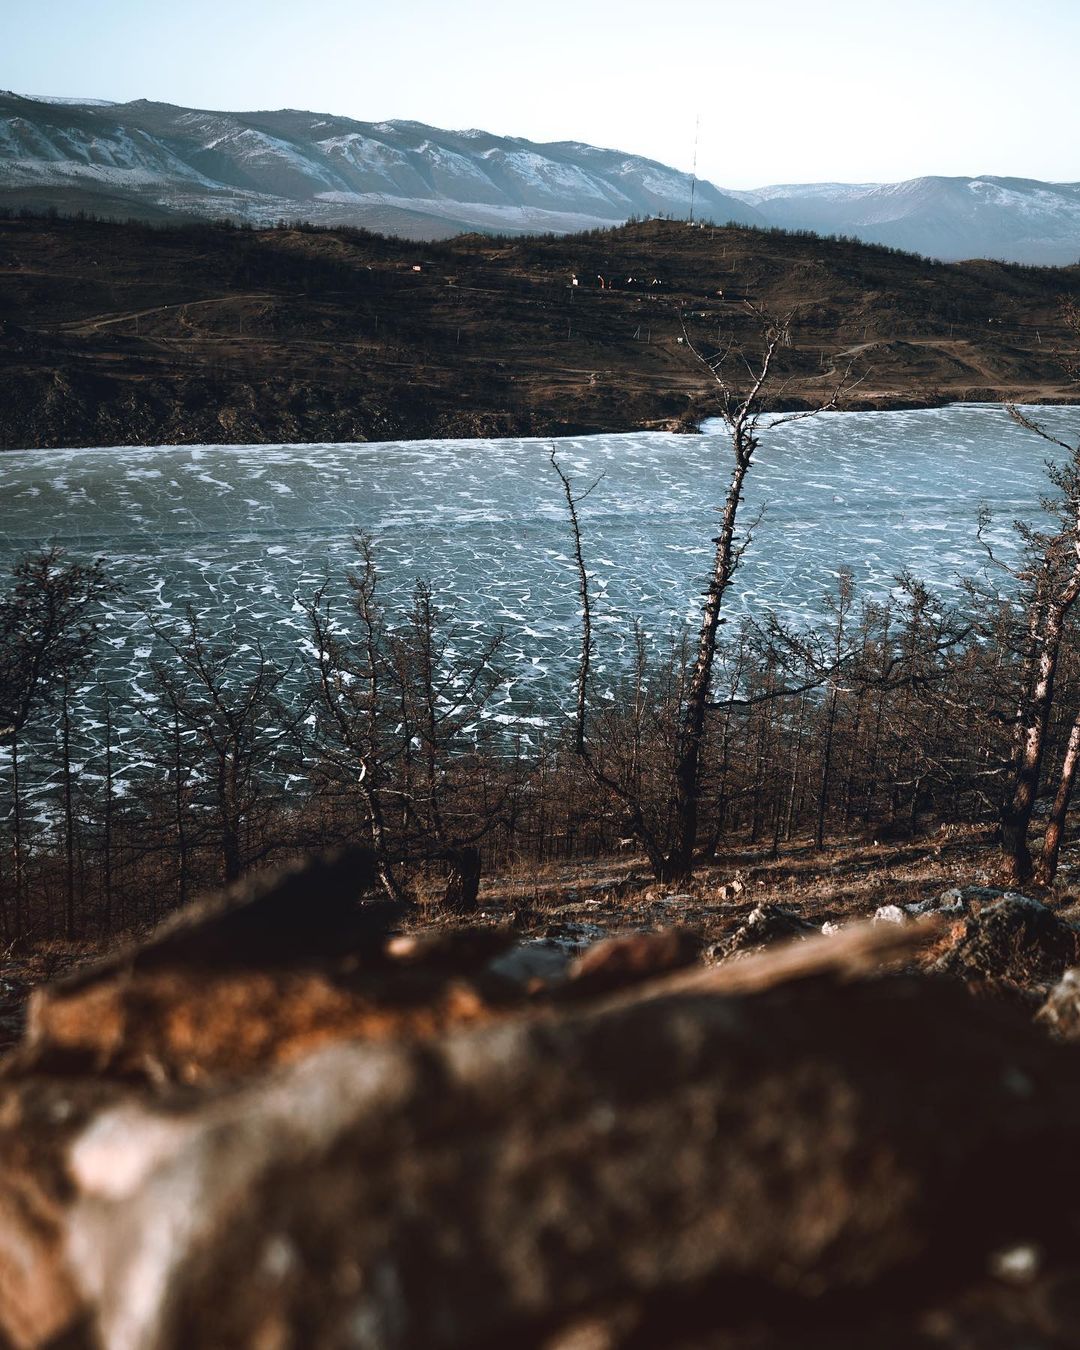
column 693, row 171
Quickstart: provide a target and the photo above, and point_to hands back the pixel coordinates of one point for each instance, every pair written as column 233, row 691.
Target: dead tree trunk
column 742, row 416
column 672, row 858
column 69, row 813
column 1017, row 866
column 1054, row 579
column 107, row 839
column 1046, row 869
column 679, row 862
column 18, row 857
column 462, row 880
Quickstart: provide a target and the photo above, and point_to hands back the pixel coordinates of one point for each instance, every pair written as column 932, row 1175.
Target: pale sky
column 787, row 90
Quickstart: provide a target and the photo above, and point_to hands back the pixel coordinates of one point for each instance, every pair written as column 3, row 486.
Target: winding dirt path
column 81, row 327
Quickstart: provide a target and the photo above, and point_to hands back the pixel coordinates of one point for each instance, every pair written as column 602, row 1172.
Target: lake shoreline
column 689, row 424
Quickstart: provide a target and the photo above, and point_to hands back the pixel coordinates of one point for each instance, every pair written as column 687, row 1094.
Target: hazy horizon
column 845, row 93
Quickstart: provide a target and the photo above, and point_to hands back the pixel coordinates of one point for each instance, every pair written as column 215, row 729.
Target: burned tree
column 228, row 731
column 745, row 409
column 398, row 710
column 48, row 627
column 1049, row 578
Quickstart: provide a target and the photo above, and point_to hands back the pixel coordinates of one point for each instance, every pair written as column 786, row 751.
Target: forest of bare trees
column 884, row 718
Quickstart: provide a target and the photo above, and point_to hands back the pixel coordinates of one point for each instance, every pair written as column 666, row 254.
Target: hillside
column 130, row 334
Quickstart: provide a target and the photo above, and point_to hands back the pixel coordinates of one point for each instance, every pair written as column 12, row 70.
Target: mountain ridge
column 154, row 160
column 289, row 163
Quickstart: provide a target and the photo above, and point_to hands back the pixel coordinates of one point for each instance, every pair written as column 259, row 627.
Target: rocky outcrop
column 494, row 1187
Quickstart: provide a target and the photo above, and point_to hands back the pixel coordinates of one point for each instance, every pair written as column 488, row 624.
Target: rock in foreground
column 786, row 1150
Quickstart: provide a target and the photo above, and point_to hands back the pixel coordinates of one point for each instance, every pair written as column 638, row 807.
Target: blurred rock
column 262, row 975
column 397, row 1144
column 531, row 964
column 39, row 1299
column 190, row 1027
column 1061, row 1011
column 492, row 1185
column 459, row 950
column 620, row 961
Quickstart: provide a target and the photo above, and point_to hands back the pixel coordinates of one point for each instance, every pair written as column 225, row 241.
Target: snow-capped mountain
column 155, row 160
column 1020, row 219
column 149, row 158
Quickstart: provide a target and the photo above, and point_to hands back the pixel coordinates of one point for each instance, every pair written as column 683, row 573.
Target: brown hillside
column 132, row 334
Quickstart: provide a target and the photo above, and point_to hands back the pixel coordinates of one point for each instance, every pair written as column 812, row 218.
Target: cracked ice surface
column 239, row 532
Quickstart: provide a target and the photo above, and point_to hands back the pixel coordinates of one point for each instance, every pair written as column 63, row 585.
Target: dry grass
column 844, row 881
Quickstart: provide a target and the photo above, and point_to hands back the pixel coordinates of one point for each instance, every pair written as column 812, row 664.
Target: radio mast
column 693, row 171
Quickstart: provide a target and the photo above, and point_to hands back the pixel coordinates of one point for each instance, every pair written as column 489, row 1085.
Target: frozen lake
column 240, row 531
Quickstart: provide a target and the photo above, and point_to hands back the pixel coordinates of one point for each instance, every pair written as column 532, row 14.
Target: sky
column 781, row 92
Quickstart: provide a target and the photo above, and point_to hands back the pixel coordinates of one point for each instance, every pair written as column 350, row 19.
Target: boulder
column 1013, row 939
column 404, row 1149
column 263, row 975
column 190, row 1026
column 764, row 925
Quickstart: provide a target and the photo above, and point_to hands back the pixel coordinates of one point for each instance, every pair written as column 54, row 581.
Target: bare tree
column 440, row 695
column 839, row 606
column 1050, row 586
column 744, row 408
column 48, row 627
column 398, row 710
column 349, row 675
column 222, row 702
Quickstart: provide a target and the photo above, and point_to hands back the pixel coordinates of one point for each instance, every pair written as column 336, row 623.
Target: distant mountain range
column 399, row 177
column 1019, row 219
column 155, row 161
